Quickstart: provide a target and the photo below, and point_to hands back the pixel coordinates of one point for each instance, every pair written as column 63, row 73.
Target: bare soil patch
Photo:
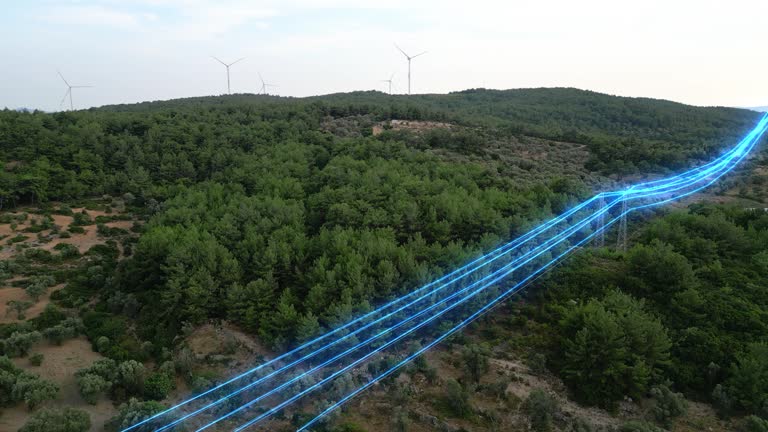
column 13, row 293
column 60, row 364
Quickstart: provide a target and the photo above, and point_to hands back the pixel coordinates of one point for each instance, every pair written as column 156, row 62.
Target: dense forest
column 288, row 216
column 686, row 304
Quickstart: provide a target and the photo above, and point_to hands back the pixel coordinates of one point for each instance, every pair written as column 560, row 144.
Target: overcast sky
column 700, row 52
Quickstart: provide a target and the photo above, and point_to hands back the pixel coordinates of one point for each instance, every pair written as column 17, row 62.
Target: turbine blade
column 393, row 75
column 421, row 53
column 62, row 78
column 81, row 87
column 65, row 96
column 260, row 78
column 241, row 58
column 401, row 50
column 219, row 61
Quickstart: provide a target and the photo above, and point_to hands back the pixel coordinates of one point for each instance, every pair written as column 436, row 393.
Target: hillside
column 175, row 242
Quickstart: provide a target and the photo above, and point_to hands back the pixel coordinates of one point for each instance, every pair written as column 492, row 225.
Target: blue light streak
column 500, row 251
column 642, row 190
column 504, row 271
column 739, row 155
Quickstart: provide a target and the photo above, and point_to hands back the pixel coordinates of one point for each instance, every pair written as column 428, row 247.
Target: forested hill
column 625, row 134
column 285, row 217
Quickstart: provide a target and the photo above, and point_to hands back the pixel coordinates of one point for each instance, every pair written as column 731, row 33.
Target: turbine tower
column 390, row 82
column 227, row 66
column 409, row 64
column 264, row 85
column 69, row 92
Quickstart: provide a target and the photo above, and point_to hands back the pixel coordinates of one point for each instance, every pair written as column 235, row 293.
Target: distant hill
column 760, row 109
column 624, row 134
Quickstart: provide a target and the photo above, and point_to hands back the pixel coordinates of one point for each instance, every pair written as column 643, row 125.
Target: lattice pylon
column 601, row 223
column 621, row 242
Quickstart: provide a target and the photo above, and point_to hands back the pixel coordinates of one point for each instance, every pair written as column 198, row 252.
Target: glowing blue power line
column 505, row 270
column 480, row 311
column 500, row 250
column 499, row 276
column 681, row 179
column 522, row 240
column 738, row 156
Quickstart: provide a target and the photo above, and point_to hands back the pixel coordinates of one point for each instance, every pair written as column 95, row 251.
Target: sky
column 700, row 52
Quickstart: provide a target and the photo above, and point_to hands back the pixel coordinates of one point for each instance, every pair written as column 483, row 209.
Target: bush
column 133, row 412
column 102, row 344
column 476, row 360
column 667, row 405
column 131, row 376
column 20, row 307
column 458, row 399
column 49, row 317
column 74, row 229
column 91, row 386
column 157, row 386
column 33, row 390
column 81, row 218
column 748, row 384
column 36, row 359
column 19, row 343
column 67, row 250
column 541, row 409
column 58, row 420
column 755, row 424
column 633, row 348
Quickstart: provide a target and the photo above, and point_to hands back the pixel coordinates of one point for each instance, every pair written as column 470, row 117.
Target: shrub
column 81, row 218
column 20, row 307
column 74, row 229
column 541, row 409
column 49, row 317
column 33, row 390
column 67, row 250
column 91, row 386
column 131, row 376
column 475, row 359
column 668, row 405
column 102, row 344
column 19, row 343
column 157, row 386
column 58, row 420
column 755, row 424
column 18, row 239
column 634, row 348
column 133, row 412
column 36, row 359
column 458, row 399
column 748, row 384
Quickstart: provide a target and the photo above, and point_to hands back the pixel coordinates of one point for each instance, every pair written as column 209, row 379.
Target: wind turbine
column 409, row 64
column 69, row 92
column 390, row 82
column 264, row 85
column 227, row 66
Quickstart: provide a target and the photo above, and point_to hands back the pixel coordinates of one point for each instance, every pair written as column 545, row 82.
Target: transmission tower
column 601, row 223
column 621, row 243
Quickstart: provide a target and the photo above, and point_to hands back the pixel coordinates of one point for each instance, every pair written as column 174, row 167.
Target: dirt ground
column 12, row 293
column 83, row 241
column 412, row 125
column 60, row 364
